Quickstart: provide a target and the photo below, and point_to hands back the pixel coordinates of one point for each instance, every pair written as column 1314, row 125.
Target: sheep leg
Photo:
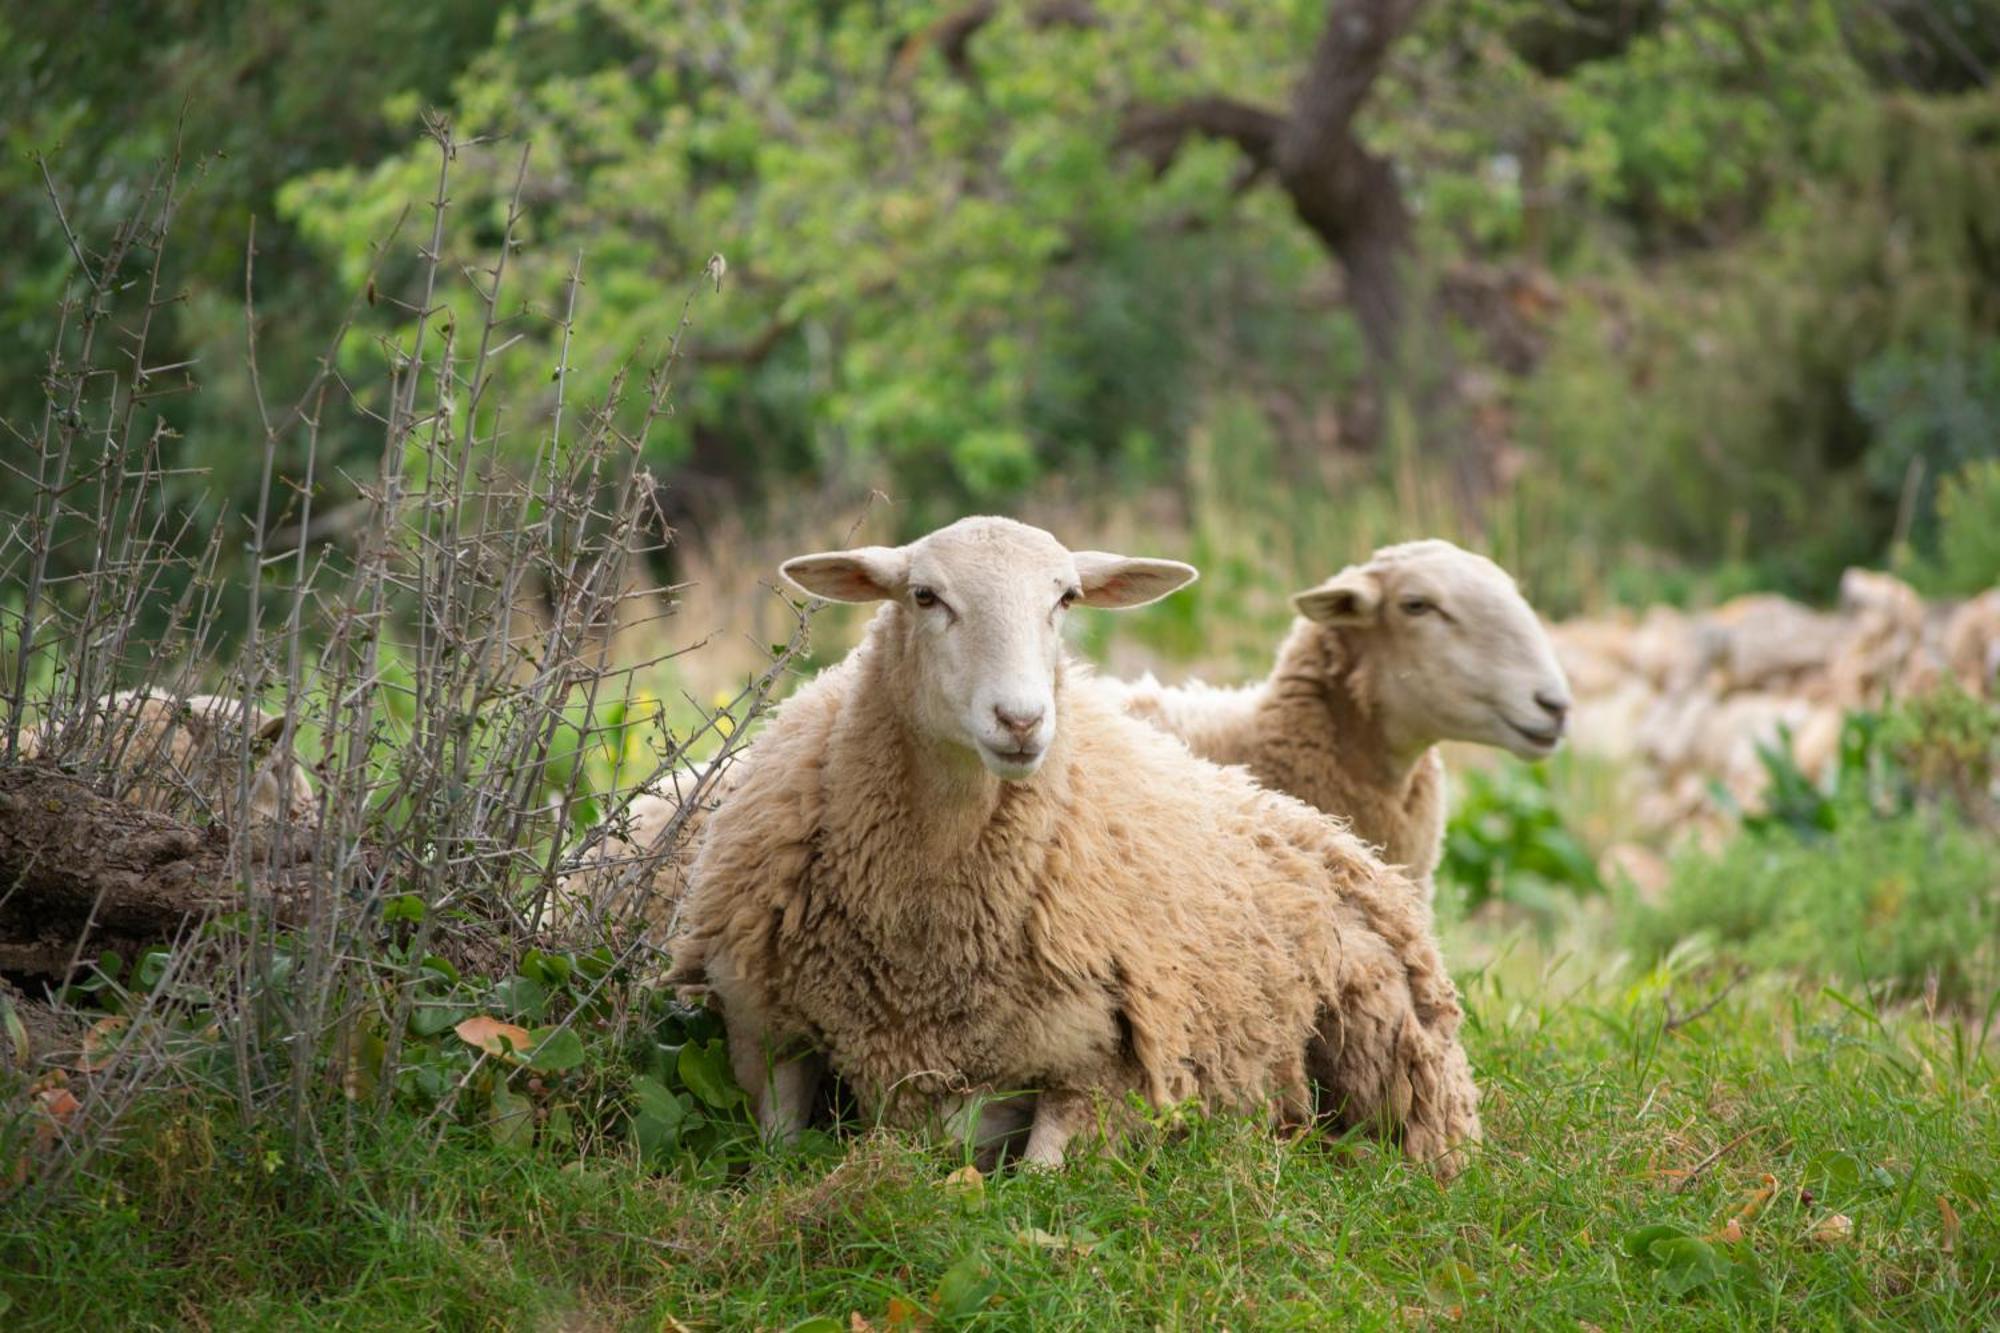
column 781, row 1089
column 987, row 1122
column 1059, row 1114
column 787, row 1104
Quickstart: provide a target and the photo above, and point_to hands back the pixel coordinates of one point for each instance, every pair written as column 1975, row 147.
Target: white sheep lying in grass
column 956, row 865
column 1422, row 643
column 183, row 756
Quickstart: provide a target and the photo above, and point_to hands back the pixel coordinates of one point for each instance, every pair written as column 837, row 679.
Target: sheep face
column 979, row 607
column 1452, row 650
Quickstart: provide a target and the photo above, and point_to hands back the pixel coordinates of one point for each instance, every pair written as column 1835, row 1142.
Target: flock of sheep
column 991, row 890
column 986, row 887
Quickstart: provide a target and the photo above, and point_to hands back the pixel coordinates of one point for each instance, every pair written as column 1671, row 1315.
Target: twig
column 1696, row 1171
column 1675, row 1022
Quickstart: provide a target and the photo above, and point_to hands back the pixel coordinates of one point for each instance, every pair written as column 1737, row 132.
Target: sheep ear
column 1115, row 581
column 271, row 727
column 1348, row 598
column 864, row 574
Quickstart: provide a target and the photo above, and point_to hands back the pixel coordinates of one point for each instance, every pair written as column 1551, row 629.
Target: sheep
column 1423, row 643
column 625, row 870
column 186, row 751
column 956, row 865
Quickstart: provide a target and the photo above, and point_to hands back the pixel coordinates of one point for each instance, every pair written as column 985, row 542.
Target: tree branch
column 951, row 36
column 752, row 353
column 1349, row 197
column 1157, row 133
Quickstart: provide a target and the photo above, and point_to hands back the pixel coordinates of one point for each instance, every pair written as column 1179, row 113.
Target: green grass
column 1595, row 1113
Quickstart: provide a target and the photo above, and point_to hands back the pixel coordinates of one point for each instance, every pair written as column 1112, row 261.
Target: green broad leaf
column 545, row 969
column 704, row 1070
column 1686, row 1263
column 443, row 967
column 403, row 907
column 511, row 1120
column 1638, row 1244
column 555, row 1049
column 151, row 967
column 1453, row 1282
column 427, row 1020
column 657, row 1136
column 521, row 997
column 966, row 1286
column 655, row 1099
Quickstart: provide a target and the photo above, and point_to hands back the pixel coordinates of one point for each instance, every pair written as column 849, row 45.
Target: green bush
column 1967, row 556
column 1888, row 901
column 1507, row 840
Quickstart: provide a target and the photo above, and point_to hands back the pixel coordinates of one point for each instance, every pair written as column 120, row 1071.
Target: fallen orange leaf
column 905, row 1314
column 494, row 1037
column 100, row 1044
column 1949, row 1220
column 1833, row 1229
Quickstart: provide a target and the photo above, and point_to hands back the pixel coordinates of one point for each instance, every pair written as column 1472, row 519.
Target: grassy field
column 1786, row 1158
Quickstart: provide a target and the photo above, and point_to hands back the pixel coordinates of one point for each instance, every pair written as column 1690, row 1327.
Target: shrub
column 1889, row 901
column 1506, row 840
column 1966, row 559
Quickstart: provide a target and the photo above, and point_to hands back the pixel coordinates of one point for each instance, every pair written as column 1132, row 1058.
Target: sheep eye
column 1068, row 599
column 923, row 597
column 1416, row 606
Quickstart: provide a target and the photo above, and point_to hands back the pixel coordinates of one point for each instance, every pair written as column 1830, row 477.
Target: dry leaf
column 1075, row 1242
column 1949, row 1224
column 967, row 1182
column 1833, row 1229
column 1728, row 1233
column 905, row 1314
column 100, row 1044
column 59, row 1104
column 494, row 1037
column 858, row 1323
column 1760, row 1196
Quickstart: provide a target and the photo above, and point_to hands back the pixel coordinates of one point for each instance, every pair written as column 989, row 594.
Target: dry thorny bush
column 453, row 742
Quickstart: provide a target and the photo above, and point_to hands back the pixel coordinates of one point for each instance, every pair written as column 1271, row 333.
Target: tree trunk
column 80, row 872
column 1347, row 196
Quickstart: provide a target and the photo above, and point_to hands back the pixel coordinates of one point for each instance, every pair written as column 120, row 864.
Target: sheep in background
column 957, row 865
column 184, row 754
column 627, row 872
column 1422, row 643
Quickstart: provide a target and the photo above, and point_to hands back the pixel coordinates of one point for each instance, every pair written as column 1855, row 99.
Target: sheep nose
column 1022, row 725
column 1555, row 705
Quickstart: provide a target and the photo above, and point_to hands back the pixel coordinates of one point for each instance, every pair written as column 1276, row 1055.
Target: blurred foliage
column 1506, row 840
column 1884, row 872
column 1714, row 290
column 1965, row 558
column 1891, row 900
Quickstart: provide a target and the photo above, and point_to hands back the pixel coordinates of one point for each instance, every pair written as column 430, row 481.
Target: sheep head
column 1449, row 648
column 978, row 613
